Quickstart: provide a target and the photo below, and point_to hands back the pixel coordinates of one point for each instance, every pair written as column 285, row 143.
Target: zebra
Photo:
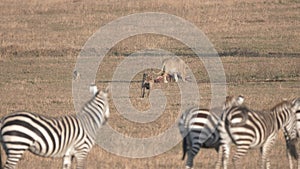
column 198, row 128
column 289, row 142
column 247, row 129
column 69, row 136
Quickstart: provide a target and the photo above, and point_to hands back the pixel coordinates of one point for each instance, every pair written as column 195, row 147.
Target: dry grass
column 259, row 42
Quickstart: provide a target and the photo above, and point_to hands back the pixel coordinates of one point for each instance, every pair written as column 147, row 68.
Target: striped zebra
column 252, row 129
column 198, row 128
column 70, row 136
column 290, row 142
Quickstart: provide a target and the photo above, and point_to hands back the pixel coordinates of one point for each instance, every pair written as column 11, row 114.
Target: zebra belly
column 38, row 150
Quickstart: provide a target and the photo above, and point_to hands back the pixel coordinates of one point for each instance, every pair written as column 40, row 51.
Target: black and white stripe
column 69, row 136
column 251, row 129
column 198, row 128
column 289, row 141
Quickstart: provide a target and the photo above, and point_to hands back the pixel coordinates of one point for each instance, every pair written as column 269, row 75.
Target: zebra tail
column 292, row 148
column 184, row 147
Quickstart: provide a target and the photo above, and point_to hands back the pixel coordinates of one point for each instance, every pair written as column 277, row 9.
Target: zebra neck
column 90, row 124
column 280, row 122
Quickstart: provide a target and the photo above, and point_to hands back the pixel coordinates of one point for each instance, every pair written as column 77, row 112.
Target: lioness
column 174, row 67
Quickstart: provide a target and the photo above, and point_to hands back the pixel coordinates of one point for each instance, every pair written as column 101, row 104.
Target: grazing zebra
column 198, row 128
column 251, row 129
column 70, row 136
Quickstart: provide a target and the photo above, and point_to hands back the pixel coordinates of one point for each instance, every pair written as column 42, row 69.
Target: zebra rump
column 197, row 127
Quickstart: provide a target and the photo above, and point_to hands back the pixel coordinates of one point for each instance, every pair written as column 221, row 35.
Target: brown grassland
column 258, row 42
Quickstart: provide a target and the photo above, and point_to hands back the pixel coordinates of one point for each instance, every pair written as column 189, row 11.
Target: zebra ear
column 240, row 99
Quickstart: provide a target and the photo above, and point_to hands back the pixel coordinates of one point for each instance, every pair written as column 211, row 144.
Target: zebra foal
column 252, row 129
column 70, row 136
column 198, row 128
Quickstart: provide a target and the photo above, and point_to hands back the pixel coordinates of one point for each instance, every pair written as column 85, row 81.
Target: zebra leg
column 287, row 138
column 241, row 151
column 220, row 155
column 67, row 160
column 13, row 157
column 223, row 155
column 291, row 140
column 190, row 160
column 288, row 152
column 224, row 147
column 298, row 163
column 265, row 150
column 81, row 159
column 226, row 153
column 194, row 147
column 290, row 159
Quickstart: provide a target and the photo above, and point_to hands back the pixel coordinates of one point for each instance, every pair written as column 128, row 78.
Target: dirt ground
column 257, row 41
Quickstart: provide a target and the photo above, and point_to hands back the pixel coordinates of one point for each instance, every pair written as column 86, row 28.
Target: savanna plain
column 257, row 41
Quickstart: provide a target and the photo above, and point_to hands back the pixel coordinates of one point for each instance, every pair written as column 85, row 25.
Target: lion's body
column 174, row 67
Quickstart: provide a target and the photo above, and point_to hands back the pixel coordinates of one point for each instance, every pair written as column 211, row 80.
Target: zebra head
column 296, row 105
column 286, row 113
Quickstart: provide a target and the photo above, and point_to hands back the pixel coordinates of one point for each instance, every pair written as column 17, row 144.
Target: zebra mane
column 295, row 103
column 282, row 105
